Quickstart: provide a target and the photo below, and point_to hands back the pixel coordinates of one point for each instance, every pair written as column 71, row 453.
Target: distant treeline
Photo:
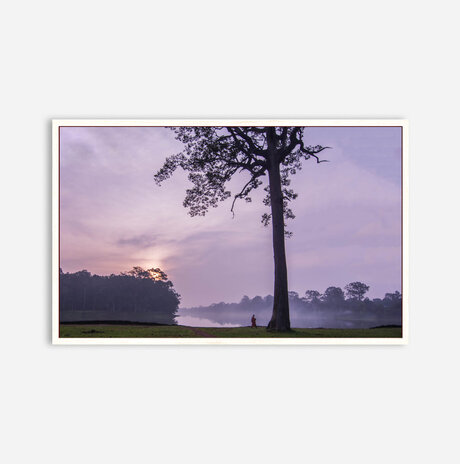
column 333, row 308
column 140, row 295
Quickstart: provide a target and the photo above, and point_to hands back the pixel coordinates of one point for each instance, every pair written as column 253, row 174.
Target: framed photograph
column 230, row 232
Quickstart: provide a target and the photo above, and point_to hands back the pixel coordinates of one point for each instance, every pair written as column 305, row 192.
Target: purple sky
column 347, row 225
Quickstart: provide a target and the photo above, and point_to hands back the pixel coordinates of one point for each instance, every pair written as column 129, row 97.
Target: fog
column 146, row 296
column 345, row 314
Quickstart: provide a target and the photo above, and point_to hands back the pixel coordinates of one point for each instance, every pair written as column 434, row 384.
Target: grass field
column 165, row 331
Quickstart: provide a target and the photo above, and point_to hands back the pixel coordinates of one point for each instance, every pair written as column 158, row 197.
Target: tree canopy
column 141, row 295
column 212, row 155
column 356, row 290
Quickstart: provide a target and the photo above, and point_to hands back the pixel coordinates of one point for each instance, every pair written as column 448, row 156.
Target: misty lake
column 239, row 319
column 193, row 321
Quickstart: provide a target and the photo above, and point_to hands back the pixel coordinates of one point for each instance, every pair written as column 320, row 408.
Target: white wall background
column 144, row 59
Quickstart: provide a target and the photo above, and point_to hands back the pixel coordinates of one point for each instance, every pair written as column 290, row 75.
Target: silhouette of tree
column 152, row 274
column 393, row 301
column 245, row 300
column 356, row 290
column 212, row 155
column 333, row 296
column 137, row 295
column 312, row 296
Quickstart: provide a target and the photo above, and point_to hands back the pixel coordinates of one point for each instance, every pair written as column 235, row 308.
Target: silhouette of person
column 253, row 321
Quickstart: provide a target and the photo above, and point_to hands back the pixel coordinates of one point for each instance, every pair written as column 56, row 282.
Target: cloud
column 138, row 241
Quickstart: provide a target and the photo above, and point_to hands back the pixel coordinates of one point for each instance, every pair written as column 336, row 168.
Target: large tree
column 212, row 155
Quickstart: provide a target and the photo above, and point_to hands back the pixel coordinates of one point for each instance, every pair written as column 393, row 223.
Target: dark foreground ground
column 132, row 330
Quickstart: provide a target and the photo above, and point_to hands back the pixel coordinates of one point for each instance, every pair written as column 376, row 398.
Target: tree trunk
column 280, row 318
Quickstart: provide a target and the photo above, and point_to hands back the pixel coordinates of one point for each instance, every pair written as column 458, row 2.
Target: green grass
column 261, row 332
column 141, row 331
column 123, row 331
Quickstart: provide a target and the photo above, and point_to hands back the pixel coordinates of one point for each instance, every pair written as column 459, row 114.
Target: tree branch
column 243, row 190
column 293, row 142
column 314, row 152
column 252, row 146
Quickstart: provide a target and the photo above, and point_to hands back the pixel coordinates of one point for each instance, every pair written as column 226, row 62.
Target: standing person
column 253, row 321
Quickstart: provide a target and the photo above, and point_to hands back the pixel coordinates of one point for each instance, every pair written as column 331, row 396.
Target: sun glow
column 155, row 275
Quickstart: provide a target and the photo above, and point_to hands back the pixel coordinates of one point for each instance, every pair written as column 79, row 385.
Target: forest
column 140, row 295
column 334, row 308
column 146, row 295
